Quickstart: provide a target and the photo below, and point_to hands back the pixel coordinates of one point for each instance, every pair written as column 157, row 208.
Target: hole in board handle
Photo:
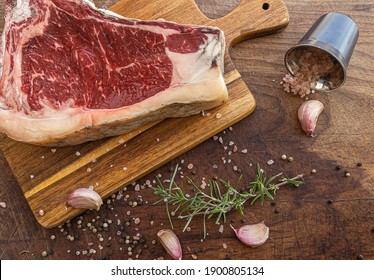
column 265, row 6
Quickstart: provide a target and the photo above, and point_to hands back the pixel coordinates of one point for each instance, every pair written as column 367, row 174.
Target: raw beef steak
column 72, row 73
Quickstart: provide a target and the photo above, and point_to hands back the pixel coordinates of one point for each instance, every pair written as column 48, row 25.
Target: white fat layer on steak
column 70, row 119
column 22, row 11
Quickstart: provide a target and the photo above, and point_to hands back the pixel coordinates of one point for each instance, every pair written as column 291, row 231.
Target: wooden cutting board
column 47, row 176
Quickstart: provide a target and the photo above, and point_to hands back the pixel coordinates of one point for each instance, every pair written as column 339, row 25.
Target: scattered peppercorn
column 329, row 201
column 359, row 163
column 273, row 203
column 277, row 210
column 360, row 257
column 338, row 167
column 243, row 220
column 372, row 230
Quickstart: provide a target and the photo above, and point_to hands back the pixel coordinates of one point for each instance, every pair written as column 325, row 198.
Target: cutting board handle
column 238, row 25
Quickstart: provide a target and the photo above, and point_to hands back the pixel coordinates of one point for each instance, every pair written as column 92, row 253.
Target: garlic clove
column 252, row 235
column 171, row 243
column 308, row 115
column 85, row 199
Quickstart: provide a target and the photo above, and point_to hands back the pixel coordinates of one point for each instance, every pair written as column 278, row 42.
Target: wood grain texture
column 307, row 226
column 53, row 176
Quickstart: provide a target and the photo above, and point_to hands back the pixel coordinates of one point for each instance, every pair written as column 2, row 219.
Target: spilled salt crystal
column 220, row 229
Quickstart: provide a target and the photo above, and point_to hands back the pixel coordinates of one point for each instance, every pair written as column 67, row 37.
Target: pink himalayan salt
column 313, row 65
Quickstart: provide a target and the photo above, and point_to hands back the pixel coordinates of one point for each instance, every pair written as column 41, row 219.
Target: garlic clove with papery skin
column 85, row 199
column 171, row 243
column 308, row 114
column 252, row 235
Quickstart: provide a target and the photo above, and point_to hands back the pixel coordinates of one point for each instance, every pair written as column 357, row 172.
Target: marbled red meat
column 73, row 73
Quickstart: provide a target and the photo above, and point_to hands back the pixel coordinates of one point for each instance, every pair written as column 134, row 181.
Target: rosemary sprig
column 220, row 197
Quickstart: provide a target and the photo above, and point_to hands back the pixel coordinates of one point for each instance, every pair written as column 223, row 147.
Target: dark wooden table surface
column 330, row 217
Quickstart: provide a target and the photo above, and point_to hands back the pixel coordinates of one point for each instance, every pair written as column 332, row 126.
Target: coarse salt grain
column 215, row 137
column 77, row 154
column 53, row 150
column 244, row 151
column 190, row 166
column 194, row 256
column 218, row 115
column 125, row 168
column 137, row 221
column 220, row 140
column 121, row 141
column 41, row 212
column 270, row 162
column 313, row 65
column 224, row 246
column 3, row 204
column 89, row 169
column 32, row 176
column 220, row 229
